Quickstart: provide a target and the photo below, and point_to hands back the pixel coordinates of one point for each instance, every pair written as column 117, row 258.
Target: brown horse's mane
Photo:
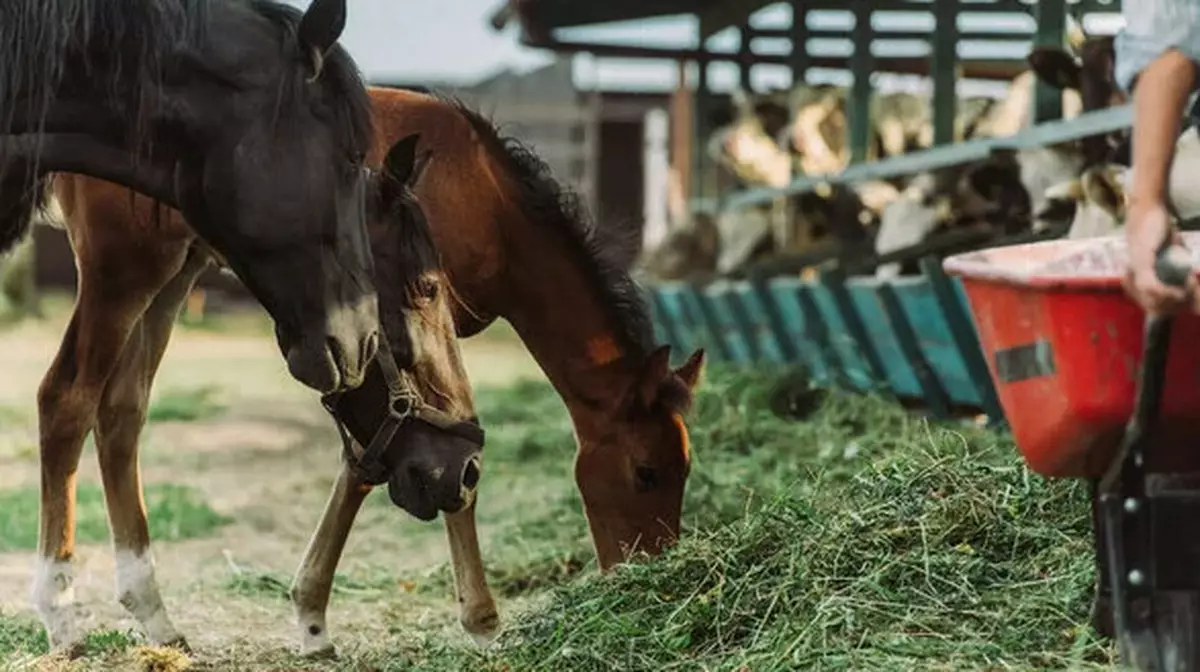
column 600, row 251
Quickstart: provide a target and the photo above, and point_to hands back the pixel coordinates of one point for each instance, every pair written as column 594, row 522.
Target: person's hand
column 1146, row 228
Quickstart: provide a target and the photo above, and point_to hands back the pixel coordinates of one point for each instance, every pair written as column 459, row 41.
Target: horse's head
column 245, row 115
column 632, row 476
column 279, row 129
column 432, row 461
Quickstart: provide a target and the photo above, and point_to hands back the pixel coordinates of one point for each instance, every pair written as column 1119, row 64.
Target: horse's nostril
column 367, row 351
column 470, row 477
column 336, row 354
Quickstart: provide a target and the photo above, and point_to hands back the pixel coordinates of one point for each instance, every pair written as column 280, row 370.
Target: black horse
column 244, row 114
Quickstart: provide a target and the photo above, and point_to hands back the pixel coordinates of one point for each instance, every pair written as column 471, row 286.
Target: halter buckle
column 401, row 405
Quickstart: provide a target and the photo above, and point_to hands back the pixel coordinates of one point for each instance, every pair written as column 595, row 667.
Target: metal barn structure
column 911, row 337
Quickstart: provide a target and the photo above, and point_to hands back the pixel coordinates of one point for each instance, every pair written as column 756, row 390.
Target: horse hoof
column 483, row 640
column 323, row 653
column 484, row 630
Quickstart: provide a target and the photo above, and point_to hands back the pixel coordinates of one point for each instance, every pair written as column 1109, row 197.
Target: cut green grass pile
column 862, row 538
column 822, row 531
column 175, row 513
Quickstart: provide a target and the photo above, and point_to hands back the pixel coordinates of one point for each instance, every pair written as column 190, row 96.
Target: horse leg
column 314, row 579
column 477, row 608
column 68, row 401
column 121, row 416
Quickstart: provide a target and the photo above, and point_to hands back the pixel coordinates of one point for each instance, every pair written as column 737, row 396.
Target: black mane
column 598, row 251
column 121, row 43
column 414, row 252
column 340, row 76
column 120, row 48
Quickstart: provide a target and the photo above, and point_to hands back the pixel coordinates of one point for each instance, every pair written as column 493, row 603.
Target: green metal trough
column 911, row 337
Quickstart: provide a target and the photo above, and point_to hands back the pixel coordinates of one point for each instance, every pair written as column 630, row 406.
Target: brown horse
column 514, row 244
column 135, row 271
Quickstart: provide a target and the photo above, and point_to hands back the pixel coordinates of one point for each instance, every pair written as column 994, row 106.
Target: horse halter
column 404, row 405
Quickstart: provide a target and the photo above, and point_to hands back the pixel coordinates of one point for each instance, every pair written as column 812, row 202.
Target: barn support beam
column 702, row 104
column 1051, row 25
column 745, row 57
column 798, row 59
column 861, row 63
column 945, row 66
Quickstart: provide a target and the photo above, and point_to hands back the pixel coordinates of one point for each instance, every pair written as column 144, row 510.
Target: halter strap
column 403, row 405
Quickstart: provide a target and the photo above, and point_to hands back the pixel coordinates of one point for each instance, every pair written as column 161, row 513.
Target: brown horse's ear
column 401, row 167
column 692, row 369
column 400, row 162
column 419, row 168
column 658, row 366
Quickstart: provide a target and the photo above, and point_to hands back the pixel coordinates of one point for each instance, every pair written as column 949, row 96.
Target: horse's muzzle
column 423, row 488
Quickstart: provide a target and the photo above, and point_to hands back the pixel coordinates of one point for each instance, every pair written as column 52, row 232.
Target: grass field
column 860, row 538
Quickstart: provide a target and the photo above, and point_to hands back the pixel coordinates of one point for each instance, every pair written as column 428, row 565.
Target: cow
column 1087, row 69
column 1095, row 202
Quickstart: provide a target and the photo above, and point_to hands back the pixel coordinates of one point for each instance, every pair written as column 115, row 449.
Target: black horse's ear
column 322, row 25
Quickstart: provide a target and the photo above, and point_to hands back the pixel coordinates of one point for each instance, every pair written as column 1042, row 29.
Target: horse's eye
column 644, row 478
column 427, row 288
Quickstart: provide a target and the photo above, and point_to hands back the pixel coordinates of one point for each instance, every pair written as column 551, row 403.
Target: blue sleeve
column 1152, row 27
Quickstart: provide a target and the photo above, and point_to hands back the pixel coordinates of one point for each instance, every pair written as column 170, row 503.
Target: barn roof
column 539, row 16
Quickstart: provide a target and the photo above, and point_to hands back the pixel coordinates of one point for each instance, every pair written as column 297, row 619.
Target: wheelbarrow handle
column 1123, row 484
column 1173, row 265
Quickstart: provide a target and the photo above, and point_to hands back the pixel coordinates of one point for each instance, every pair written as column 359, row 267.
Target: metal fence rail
column 1047, row 133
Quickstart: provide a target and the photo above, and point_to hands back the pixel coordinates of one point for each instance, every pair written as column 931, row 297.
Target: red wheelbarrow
column 1083, row 378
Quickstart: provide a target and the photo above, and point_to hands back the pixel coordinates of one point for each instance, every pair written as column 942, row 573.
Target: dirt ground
column 267, row 461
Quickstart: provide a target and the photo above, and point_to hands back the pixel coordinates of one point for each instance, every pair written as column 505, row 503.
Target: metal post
column 860, row 96
column 1051, row 26
column 701, row 110
column 746, row 57
column 798, row 59
column 944, row 67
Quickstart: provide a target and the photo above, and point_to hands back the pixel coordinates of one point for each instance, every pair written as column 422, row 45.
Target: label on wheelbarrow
column 1032, row 360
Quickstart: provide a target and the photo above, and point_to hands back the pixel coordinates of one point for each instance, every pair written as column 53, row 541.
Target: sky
column 452, row 41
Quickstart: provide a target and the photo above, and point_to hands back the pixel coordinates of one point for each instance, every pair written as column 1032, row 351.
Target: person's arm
column 1158, row 99
column 1157, row 54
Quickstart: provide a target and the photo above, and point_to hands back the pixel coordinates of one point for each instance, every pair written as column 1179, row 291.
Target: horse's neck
column 562, row 319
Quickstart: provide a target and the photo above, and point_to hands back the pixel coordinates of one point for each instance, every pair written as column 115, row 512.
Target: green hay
column 863, row 538
column 175, row 513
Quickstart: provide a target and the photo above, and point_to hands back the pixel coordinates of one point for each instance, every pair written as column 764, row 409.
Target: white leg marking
column 53, row 597
column 137, row 591
column 314, row 635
